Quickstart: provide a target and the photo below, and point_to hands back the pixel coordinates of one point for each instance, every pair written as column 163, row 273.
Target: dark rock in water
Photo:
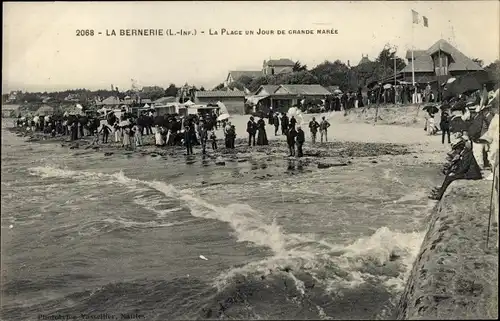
column 263, row 166
column 220, row 162
column 108, row 154
column 96, row 147
column 241, row 160
column 153, row 155
column 374, row 162
column 74, row 147
column 312, row 153
column 203, row 182
column 190, row 162
column 269, row 175
column 326, row 165
column 323, row 165
column 415, row 156
column 254, row 167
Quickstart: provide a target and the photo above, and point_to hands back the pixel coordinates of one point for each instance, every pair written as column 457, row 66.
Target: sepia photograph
column 250, row 160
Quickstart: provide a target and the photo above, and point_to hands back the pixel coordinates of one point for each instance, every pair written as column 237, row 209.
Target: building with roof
column 436, row 64
column 233, row 100
column 234, row 75
column 165, row 100
column 281, row 98
column 364, row 60
column 277, row 66
column 10, row 110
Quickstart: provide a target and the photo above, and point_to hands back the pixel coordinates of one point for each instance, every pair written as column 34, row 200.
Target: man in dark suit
column 251, row 130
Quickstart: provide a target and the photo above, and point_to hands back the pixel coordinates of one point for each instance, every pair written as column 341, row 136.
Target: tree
column 202, row 88
column 257, row 82
column 244, row 80
column 236, row 84
column 478, row 61
column 385, row 62
column 331, row 74
column 294, row 78
column 171, row 91
column 219, row 86
column 493, row 70
column 299, row 67
column 153, row 92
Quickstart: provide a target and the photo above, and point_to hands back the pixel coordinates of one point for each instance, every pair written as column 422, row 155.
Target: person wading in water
column 105, row 130
column 276, row 122
column 293, row 122
column 313, row 127
column 301, row 138
column 284, row 124
column 188, row 142
column 290, row 139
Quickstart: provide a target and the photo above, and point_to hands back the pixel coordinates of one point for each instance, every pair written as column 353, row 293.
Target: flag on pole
column 426, row 22
column 414, row 15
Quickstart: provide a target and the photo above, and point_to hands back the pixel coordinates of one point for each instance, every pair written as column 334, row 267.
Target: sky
column 41, row 51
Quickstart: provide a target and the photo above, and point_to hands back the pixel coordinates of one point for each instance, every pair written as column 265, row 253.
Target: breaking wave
column 382, row 259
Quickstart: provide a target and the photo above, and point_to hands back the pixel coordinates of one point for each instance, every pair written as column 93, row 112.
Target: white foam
column 251, row 226
column 248, row 224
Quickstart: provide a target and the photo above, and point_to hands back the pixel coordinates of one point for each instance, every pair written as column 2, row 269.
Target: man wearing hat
column 480, row 122
column 251, row 130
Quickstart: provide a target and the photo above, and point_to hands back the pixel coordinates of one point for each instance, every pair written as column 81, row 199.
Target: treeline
column 336, row 73
column 86, row 97
column 342, row 75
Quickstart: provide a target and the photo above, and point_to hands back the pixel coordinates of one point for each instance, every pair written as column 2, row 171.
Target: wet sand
column 350, row 143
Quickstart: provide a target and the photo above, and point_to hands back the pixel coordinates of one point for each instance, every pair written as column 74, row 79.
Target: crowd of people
column 474, row 131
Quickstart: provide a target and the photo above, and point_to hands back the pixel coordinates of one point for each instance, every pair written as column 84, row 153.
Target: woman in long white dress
column 158, row 138
column 117, row 133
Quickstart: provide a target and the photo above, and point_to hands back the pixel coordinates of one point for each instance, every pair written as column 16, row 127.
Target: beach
column 102, row 230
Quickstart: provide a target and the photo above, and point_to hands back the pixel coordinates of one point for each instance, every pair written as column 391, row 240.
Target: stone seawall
column 455, row 276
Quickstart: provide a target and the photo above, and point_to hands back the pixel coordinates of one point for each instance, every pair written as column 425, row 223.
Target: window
column 441, row 64
column 272, row 71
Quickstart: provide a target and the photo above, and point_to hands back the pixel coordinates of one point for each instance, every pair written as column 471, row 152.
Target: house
column 277, row 66
column 233, row 100
column 436, row 64
column 281, row 98
column 234, row 75
column 164, row 100
column 110, row 102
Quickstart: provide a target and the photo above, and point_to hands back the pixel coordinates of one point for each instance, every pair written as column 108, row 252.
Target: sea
column 130, row 236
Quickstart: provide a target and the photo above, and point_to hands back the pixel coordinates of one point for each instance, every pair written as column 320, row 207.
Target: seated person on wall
column 465, row 167
column 453, row 157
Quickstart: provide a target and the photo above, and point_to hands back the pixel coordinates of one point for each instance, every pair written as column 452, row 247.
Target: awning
column 255, row 99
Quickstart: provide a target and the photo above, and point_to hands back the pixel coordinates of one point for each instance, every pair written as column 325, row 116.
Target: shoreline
column 320, row 155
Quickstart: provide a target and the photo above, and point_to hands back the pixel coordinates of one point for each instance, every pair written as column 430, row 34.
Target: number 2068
column 84, row 32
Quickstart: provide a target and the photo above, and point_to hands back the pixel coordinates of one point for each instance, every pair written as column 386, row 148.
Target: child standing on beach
column 117, row 133
column 214, row 140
